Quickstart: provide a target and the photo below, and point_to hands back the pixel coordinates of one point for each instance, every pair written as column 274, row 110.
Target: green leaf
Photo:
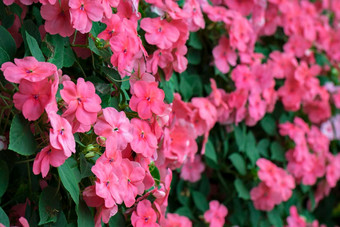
column 185, row 87
column 85, row 167
column 4, row 177
column 210, row 152
column 104, row 53
column 21, row 139
column 240, row 136
column 194, row 56
column 277, row 152
column 275, row 218
column 238, row 163
column 97, row 27
column 49, row 205
column 182, row 198
column 34, row 48
column 321, row 59
column 155, row 172
column 251, row 149
column 262, row 147
column 58, row 51
column 16, row 9
column 194, row 41
column 200, row 201
column 4, row 57
column 84, row 214
column 255, row 215
column 69, row 180
column 168, row 89
column 61, row 222
column 4, row 218
column 269, row 125
column 69, row 57
column 117, row 220
column 185, row 211
column 7, row 42
column 242, row 191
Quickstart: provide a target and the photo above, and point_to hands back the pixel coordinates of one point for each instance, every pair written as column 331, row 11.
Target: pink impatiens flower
column 147, row 99
column 83, row 12
column 82, row 101
column 114, row 124
column 46, row 157
column 144, row 141
column 61, row 136
column 144, row 215
column 173, row 220
column 32, row 98
column 216, row 214
column 159, row 32
column 192, row 170
column 27, row 68
column 224, row 55
column 57, row 18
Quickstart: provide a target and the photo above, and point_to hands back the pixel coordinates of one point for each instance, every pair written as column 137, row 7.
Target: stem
column 25, row 161
column 29, row 177
column 224, row 184
column 81, row 68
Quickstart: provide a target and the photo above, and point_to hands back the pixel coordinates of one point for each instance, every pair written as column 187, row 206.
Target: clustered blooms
column 295, row 220
column 276, row 186
column 164, row 134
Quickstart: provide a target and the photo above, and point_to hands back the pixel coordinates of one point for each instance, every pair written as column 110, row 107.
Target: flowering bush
column 169, row 113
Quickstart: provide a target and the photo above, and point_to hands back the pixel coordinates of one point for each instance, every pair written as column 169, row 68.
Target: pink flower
column 241, row 34
column 83, row 12
column 147, row 99
column 32, row 98
column 107, row 184
column 57, row 18
column 173, row 220
column 192, row 170
column 216, row 214
column 144, row 215
column 159, row 32
column 223, row 55
column 61, row 136
column 131, row 181
column 114, row 124
column 144, row 141
column 113, row 27
column 264, row 197
column 196, row 20
column 82, row 101
column 27, row 68
column 46, row 157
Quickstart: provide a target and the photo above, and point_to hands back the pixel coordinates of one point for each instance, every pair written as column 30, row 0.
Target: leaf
column 69, row 57
column 16, row 9
column 269, row 125
column 21, row 139
column 185, row 87
column 117, row 220
column 277, row 152
column 168, row 89
column 184, row 211
column 210, row 152
column 61, row 222
column 97, row 27
column 84, row 214
column 238, row 163
column 49, row 205
column 4, row 57
column 262, row 147
column 104, row 53
column 251, row 149
column 321, row 59
column 194, row 41
column 7, row 42
column 85, row 167
column 194, row 56
column 255, row 215
column 58, row 56
column 4, row 177
column 200, row 201
column 69, row 180
column 240, row 137
column 242, row 191
column 4, row 218
column 155, row 173
column 34, row 48
column 182, row 198
column 275, row 218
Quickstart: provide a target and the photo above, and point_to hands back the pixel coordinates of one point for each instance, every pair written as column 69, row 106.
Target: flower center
column 115, row 129
column 146, row 219
column 107, row 183
column 79, row 100
column 148, row 99
column 36, row 97
column 159, row 29
column 29, row 71
column 142, row 135
column 82, row 7
column 61, row 132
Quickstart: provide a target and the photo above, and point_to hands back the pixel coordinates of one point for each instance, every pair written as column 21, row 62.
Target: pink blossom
column 224, row 55
column 114, row 124
column 82, row 101
column 144, row 141
column 159, row 32
column 83, row 12
column 113, row 27
column 216, row 214
column 173, row 220
column 192, row 170
column 46, row 157
column 57, row 18
column 147, row 99
column 61, row 136
column 196, row 20
column 264, row 197
column 27, row 68
column 32, row 98
column 241, row 34
column 144, row 215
